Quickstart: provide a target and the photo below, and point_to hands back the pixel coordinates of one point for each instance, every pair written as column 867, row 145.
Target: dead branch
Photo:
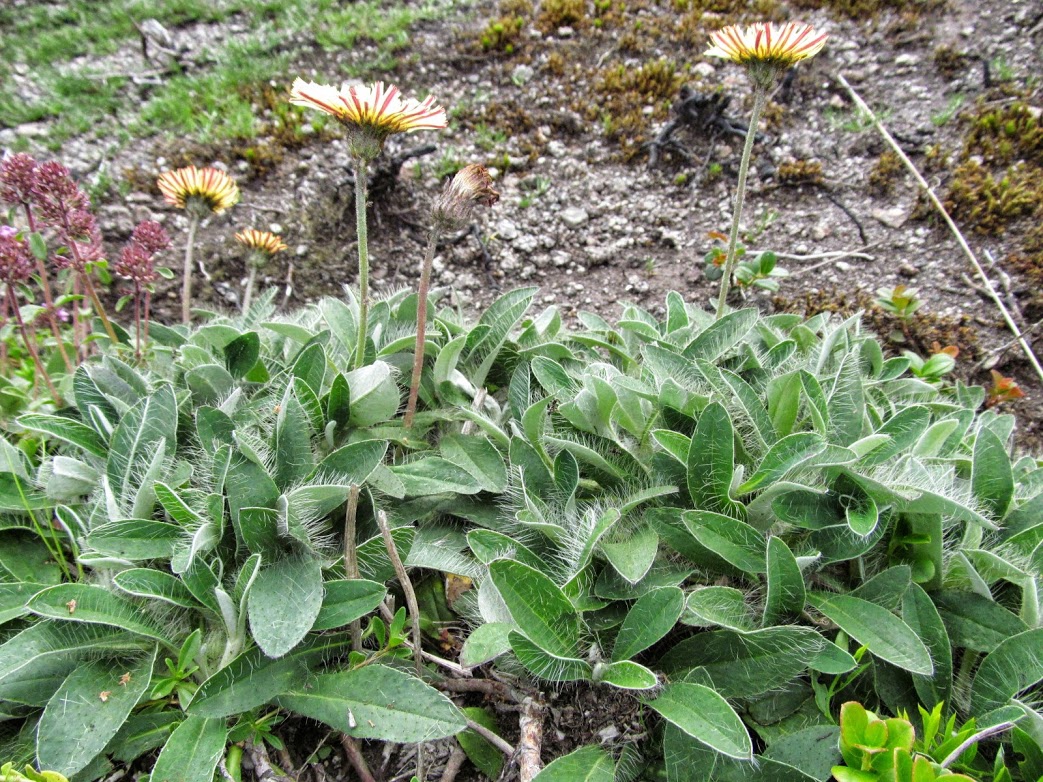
column 354, row 755
column 529, row 745
column 960, row 239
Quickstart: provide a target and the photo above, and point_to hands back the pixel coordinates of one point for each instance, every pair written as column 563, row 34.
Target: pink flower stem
column 93, row 294
column 137, row 320
column 77, row 330
column 148, row 301
column 45, row 287
column 421, row 327
column 31, row 347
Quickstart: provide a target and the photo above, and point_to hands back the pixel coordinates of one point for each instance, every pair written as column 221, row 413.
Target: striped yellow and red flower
column 378, row 107
column 262, row 241
column 778, row 45
column 211, row 187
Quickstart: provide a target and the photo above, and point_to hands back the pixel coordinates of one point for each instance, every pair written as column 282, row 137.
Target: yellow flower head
column 765, row 42
column 371, row 113
column 206, row 188
column 261, row 241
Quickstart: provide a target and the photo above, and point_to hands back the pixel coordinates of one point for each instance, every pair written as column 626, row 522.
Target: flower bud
column 471, row 186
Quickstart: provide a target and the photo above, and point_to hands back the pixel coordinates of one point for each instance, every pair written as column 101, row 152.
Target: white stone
column 894, row 217
column 507, row 230
column 574, row 216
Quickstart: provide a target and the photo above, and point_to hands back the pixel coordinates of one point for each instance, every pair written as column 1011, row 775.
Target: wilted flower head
column 17, row 179
column 766, row 49
column 370, row 114
column 16, row 262
column 471, row 186
column 261, row 244
column 202, row 189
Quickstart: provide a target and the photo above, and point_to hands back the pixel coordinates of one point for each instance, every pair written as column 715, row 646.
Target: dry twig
column 528, row 753
column 414, row 612
column 354, row 755
column 1029, row 353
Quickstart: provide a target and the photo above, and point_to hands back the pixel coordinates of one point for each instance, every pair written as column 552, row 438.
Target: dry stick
column 414, row 613
column 979, row 736
column 351, row 557
column 421, row 326
column 263, row 770
column 354, row 754
column 492, row 738
column 949, row 222
column 454, row 764
column 531, row 724
column 995, row 352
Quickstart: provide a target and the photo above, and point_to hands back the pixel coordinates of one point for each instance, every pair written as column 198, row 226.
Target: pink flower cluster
column 136, row 260
column 16, row 262
column 51, row 199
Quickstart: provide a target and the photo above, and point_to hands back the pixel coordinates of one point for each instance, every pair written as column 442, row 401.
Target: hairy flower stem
column 363, row 234
column 421, row 328
column 31, row 347
column 760, row 98
column 414, row 613
column 186, row 282
column 251, row 278
column 351, row 556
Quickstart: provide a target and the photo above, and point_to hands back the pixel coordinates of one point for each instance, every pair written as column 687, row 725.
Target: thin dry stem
column 454, row 764
column 413, row 608
column 421, row 326
column 494, row 739
column 949, row 222
column 351, row 557
column 531, row 741
column 354, row 755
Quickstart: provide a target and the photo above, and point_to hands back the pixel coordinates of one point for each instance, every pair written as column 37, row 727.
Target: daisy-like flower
column 783, row 45
column 767, row 50
column 262, row 245
column 202, row 189
column 370, row 114
column 262, row 242
column 199, row 191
